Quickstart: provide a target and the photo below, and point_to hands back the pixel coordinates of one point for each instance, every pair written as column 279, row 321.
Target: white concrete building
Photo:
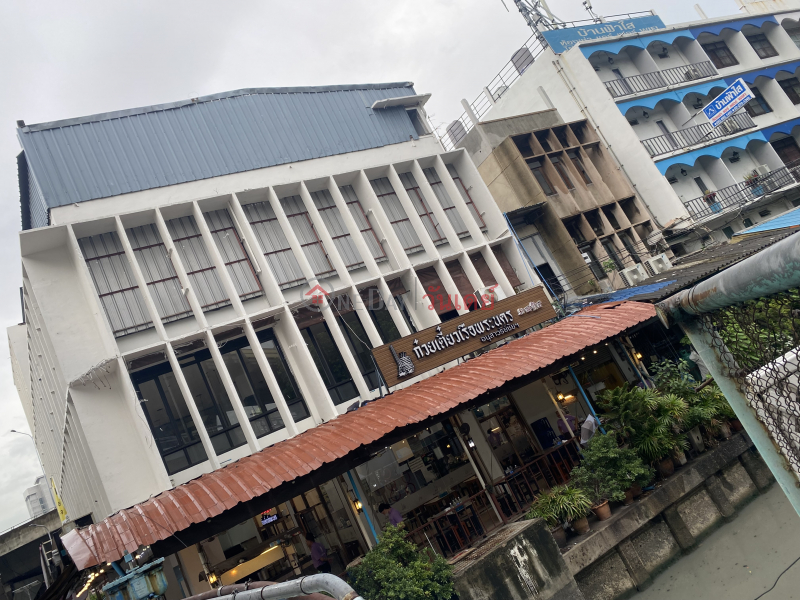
column 38, row 499
column 171, row 256
column 643, row 91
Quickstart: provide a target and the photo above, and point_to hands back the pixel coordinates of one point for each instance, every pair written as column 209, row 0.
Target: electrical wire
column 762, row 594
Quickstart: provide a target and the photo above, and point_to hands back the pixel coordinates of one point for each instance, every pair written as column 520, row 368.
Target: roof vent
column 20, row 123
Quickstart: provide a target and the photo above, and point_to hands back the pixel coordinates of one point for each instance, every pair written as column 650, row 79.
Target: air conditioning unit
column 633, row 275
column 486, row 296
column 762, row 169
column 692, row 73
column 729, row 128
column 657, row 264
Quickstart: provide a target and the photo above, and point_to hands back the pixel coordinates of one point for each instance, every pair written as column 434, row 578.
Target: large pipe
column 775, row 269
column 305, row 586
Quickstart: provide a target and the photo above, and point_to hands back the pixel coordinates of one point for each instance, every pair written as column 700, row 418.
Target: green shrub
column 396, row 570
column 607, row 470
column 562, row 504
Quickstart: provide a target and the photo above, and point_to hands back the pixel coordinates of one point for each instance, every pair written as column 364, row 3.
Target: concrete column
column 394, row 310
column 193, row 411
column 692, row 50
column 233, row 395
column 781, row 41
column 344, row 349
column 411, row 213
column 435, row 206
column 352, row 227
column 757, row 470
column 470, row 271
column 717, row 171
column 680, row 115
column 422, row 308
column 269, row 377
column 380, row 222
column 294, row 243
column 216, row 258
column 678, row 528
column 271, row 288
column 764, row 154
column 305, row 371
column 642, row 60
column 484, row 202
column 449, row 287
column 455, row 195
column 741, row 49
column 140, row 280
column 633, row 563
column 497, row 271
column 717, row 495
column 324, row 235
column 365, row 319
column 783, row 108
column 179, row 270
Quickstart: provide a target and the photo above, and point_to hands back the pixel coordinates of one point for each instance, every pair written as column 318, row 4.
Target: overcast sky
column 68, row 59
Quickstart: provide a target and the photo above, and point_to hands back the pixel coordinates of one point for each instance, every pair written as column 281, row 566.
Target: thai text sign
column 435, row 346
column 728, row 102
column 561, row 40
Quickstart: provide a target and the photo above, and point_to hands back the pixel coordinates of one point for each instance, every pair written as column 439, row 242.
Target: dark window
column 720, row 55
column 594, row 266
column 609, row 212
column 578, row 162
column 546, row 272
column 794, row 33
column 792, row 88
column 611, row 251
column 757, row 106
column 630, row 246
column 747, row 223
column 728, row 231
column 329, row 362
column 761, row 45
column 562, row 171
column 258, row 402
column 574, row 230
column 360, row 346
column 538, row 172
column 701, row 185
column 379, row 313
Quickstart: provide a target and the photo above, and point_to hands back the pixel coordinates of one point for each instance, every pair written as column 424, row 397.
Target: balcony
column 742, row 193
column 699, row 134
column 659, row 79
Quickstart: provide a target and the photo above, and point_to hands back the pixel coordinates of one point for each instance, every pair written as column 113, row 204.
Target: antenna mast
column 539, row 17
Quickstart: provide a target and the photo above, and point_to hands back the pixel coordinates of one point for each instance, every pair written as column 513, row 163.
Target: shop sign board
column 430, row 348
column 561, row 40
column 721, row 108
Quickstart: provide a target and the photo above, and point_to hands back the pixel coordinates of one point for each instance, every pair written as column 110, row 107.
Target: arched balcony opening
column 792, row 28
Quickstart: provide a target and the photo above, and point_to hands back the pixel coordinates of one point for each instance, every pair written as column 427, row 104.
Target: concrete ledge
column 631, row 519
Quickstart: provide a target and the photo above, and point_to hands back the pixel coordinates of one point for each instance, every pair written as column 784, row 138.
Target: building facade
column 38, row 498
column 204, row 279
column 644, row 94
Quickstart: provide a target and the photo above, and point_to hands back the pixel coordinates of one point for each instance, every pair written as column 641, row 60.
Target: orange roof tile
column 212, row 493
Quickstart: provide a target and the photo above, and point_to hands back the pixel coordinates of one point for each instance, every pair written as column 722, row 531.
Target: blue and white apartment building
column 644, row 90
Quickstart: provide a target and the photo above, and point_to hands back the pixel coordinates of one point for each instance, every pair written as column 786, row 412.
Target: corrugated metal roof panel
column 211, row 494
column 787, row 219
column 82, row 159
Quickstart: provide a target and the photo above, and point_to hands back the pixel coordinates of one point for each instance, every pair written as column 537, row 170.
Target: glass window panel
column 221, row 443
column 196, row 454
column 177, row 461
column 242, row 384
column 158, row 415
column 260, row 426
column 257, row 379
column 330, row 353
column 178, row 407
column 385, row 324
column 312, row 348
column 212, row 420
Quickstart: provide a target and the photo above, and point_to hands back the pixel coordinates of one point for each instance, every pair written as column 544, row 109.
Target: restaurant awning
column 211, row 494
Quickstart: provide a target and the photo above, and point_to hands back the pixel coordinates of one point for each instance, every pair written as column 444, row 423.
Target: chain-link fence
column 757, row 342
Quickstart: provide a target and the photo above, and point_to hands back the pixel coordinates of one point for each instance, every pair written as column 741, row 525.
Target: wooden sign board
column 430, row 348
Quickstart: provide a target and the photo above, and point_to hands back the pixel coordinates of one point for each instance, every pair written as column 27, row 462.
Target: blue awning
column 716, row 28
column 714, row 150
column 666, row 37
column 674, row 95
column 785, row 127
column 771, row 72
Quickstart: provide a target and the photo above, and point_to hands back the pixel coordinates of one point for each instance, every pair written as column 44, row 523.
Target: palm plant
column 563, row 504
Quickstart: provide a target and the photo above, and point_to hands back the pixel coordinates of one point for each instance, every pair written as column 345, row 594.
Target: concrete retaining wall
column 625, row 552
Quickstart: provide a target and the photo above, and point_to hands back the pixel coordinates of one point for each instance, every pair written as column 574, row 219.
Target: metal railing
column 501, row 82
column 698, row 134
column 659, row 79
column 744, row 192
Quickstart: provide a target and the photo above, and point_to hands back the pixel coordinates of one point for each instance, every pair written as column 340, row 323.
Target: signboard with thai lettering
column 561, row 40
column 735, row 96
column 435, row 346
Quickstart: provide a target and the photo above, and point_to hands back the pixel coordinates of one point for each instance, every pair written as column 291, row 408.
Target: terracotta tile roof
column 209, row 495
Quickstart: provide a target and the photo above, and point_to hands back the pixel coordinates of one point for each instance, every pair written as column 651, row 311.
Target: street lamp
column 34, row 448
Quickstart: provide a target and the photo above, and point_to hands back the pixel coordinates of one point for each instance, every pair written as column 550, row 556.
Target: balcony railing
column 699, row 134
column 739, row 194
column 659, row 79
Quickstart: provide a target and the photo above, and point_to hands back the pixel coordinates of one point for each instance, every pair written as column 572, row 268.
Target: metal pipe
column 363, row 506
column 305, row 586
column 775, row 269
column 586, row 399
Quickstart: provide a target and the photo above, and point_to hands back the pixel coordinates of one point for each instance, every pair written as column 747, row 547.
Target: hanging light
column 638, row 356
column 610, row 60
column 358, row 505
column 560, row 396
column 645, row 114
column 684, row 172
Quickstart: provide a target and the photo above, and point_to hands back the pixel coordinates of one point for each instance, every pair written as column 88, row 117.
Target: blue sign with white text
column 561, row 40
column 728, row 102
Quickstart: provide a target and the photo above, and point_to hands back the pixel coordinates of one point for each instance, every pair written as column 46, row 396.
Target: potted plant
column 566, row 504
column 543, row 508
column 711, row 199
column 752, row 181
column 607, row 471
column 396, row 569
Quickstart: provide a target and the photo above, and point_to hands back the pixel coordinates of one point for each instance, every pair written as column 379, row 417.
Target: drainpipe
column 210, row 577
column 363, row 505
column 586, row 399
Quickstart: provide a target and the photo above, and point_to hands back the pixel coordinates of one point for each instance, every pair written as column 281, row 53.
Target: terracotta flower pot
column 725, row 431
column 736, row 425
column 559, row 535
column 666, row 467
column 629, row 496
column 602, row 511
column 581, row 525
column 680, row 459
column 636, row 490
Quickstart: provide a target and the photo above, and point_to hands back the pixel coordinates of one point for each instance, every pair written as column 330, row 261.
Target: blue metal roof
column 104, row 155
column 787, row 219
